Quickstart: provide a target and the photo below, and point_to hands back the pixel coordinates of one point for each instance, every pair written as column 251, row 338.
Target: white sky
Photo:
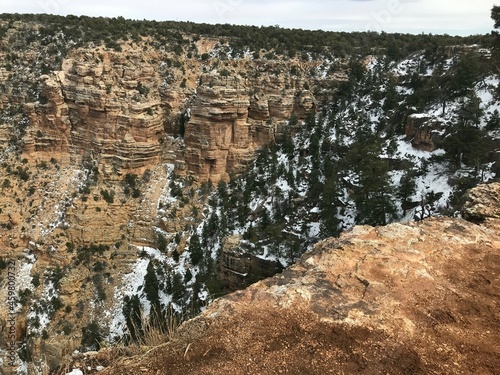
column 462, row 17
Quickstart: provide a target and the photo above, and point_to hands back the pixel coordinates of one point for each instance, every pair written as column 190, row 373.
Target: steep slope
column 113, row 108
column 384, row 150
column 101, row 143
column 414, row 298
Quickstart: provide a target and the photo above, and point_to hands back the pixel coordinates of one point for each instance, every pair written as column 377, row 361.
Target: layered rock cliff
column 415, row 298
column 98, row 108
column 75, row 124
column 233, row 116
column 116, row 108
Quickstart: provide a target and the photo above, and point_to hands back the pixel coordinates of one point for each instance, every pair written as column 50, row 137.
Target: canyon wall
column 70, row 137
column 100, row 107
column 116, row 108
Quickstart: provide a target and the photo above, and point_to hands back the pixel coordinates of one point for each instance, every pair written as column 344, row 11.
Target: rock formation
column 69, row 136
column 239, row 269
column 415, row 298
column 233, row 116
column 105, row 146
column 99, row 107
column 423, row 131
column 116, row 108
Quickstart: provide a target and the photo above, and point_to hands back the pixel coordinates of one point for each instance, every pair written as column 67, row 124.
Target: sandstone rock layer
column 99, row 107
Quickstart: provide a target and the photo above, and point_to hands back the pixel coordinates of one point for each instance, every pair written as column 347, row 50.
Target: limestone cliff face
column 413, row 298
column 99, row 107
column 116, row 108
column 233, row 116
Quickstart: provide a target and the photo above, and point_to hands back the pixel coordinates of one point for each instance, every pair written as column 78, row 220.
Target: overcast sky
column 461, row 17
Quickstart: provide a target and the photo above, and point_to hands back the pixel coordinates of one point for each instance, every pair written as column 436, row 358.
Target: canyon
column 121, row 161
column 414, row 298
column 70, row 137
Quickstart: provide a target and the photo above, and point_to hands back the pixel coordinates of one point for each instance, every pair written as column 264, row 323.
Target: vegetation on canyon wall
column 152, row 166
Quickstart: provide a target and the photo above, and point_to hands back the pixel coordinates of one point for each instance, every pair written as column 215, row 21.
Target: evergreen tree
column 195, row 250
column 444, row 83
column 329, row 203
column 465, row 73
column 222, row 191
column 175, row 255
column 391, row 95
column 470, row 112
column 406, row 188
column 287, row 145
column 91, row 336
column 132, row 313
column 151, row 289
column 315, row 185
column 374, row 194
column 265, row 220
column 195, row 300
column 188, row 276
column 494, row 121
column 465, row 142
column 495, row 15
column 178, row 288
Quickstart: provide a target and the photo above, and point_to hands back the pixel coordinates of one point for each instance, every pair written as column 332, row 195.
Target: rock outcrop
column 424, row 132
column 99, row 107
column 116, row 108
column 239, row 269
column 482, row 205
column 414, row 298
column 233, row 115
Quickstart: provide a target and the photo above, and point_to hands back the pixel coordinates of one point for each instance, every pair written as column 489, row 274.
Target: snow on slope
column 433, row 180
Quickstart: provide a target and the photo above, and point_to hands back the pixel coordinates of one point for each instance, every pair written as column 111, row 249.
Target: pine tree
column 151, row 289
column 470, row 112
column 329, row 203
column 132, row 313
column 391, row 95
column 195, row 250
column 495, row 15
column 188, row 276
column 175, row 255
column 465, row 73
column 466, row 143
column 265, row 220
column 178, row 288
column 406, row 188
column 91, row 336
column 494, row 121
column 374, row 194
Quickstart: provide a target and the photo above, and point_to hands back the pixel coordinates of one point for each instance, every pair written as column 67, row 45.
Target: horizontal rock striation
column 98, row 107
column 116, row 108
column 233, row 116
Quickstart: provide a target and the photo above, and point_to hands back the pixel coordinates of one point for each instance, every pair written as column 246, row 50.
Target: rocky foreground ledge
column 413, row 298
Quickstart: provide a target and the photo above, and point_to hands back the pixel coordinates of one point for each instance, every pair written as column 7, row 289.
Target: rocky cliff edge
column 421, row 297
